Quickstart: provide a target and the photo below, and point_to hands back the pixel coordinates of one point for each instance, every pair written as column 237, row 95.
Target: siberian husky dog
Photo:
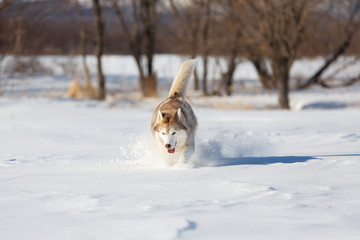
column 174, row 123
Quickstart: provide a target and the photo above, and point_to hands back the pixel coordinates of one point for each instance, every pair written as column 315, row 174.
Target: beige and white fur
column 174, row 123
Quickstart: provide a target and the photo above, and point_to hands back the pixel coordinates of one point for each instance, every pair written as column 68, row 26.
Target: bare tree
column 205, row 33
column 99, row 35
column 188, row 19
column 351, row 26
column 82, row 45
column 236, row 35
column 195, row 23
column 140, row 33
column 278, row 31
column 231, row 39
column 265, row 76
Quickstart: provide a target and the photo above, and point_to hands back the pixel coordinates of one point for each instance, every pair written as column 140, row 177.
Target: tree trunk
column 204, row 82
column 229, row 76
column 283, row 93
column 265, row 77
column 232, row 64
column 148, row 18
column 82, row 35
column 149, row 86
column 316, row 77
column 205, row 40
column 149, row 32
column 99, row 33
column 281, row 75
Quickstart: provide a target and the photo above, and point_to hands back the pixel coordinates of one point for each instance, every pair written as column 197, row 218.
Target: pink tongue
column 171, row 150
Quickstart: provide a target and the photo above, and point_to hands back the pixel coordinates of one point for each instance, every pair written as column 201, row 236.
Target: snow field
column 80, row 169
column 83, row 170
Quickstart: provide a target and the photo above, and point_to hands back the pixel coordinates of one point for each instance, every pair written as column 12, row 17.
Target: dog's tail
column 178, row 87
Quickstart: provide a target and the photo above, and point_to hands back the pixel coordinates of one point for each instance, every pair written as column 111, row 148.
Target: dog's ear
column 180, row 115
column 159, row 117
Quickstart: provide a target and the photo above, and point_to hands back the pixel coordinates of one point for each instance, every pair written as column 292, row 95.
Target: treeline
column 50, row 27
column 272, row 34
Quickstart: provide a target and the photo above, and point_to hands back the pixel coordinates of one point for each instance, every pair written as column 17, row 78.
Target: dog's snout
column 168, row 145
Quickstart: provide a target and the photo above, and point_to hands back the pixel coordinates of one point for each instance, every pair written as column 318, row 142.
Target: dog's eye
column 163, row 133
column 173, row 133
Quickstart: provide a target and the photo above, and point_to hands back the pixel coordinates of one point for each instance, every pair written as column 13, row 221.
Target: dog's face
column 170, row 138
column 170, row 132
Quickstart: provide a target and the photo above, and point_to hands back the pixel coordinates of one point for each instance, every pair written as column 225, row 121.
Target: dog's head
column 170, row 131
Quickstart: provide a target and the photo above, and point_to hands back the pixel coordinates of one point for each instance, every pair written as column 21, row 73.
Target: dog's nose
column 168, row 145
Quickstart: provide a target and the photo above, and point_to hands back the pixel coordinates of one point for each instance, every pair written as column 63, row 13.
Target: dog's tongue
column 171, row 150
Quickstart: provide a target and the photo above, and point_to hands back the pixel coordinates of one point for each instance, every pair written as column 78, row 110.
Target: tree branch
column 350, row 29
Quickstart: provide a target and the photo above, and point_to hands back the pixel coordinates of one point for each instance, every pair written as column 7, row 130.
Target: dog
column 174, row 123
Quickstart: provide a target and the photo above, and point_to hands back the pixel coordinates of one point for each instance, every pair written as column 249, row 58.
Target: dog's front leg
column 189, row 151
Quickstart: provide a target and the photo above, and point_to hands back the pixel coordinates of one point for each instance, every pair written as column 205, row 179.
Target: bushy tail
column 178, row 87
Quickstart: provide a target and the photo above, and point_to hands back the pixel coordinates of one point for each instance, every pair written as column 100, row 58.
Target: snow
column 82, row 169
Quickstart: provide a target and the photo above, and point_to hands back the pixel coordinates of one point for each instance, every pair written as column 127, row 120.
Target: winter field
column 82, row 169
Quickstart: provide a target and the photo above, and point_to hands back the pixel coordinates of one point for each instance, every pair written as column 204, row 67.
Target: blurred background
column 116, row 49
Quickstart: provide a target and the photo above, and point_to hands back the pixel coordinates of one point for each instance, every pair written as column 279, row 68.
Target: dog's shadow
column 224, row 161
column 210, row 154
column 236, row 161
